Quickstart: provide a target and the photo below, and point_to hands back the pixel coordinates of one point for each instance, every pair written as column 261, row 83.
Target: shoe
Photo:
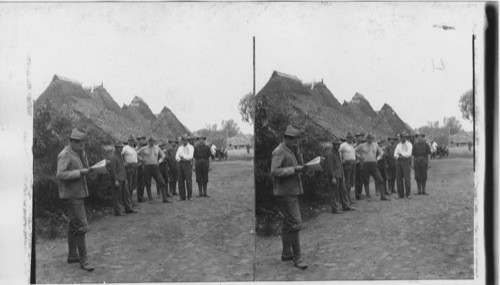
column 120, row 214
column 73, row 259
column 167, row 201
column 369, row 199
column 336, row 212
column 207, row 196
column 131, row 211
column 385, row 199
column 151, row 202
column 199, row 196
column 286, row 257
column 86, row 266
column 190, row 199
column 360, row 198
column 181, row 199
column 418, row 193
column 409, row 197
column 425, row 193
column 349, row 208
column 175, row 194
column 300, row 264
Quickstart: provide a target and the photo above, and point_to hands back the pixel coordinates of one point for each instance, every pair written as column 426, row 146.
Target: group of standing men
column 132, row 166
column 349, row 164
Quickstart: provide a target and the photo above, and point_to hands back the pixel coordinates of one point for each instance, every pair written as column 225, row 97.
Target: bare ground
column 208, row 239
column 427, row 237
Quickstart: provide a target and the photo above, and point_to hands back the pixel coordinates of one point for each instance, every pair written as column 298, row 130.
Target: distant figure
column 338, row 193
column 421, row 153
column 140, row 170
column 248, row 148
column 382, row 166
column 72, row 168
column 286, row 167
column 434, row 146
column 403, row 153
column 213, row 149
column 173, row 166
column 129, row 155
column 184, row 157
column 391, row 164
column 118, row 174
column 202, row 156
column 470, row 145
column 359, row 176
column 164, row 167
column 348, row 158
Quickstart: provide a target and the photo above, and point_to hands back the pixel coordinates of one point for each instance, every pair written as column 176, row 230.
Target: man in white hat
column 72, row 168
column 286, row 167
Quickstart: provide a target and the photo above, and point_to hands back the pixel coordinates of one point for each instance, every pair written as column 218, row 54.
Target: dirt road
column 208, row 239
column 427, row 237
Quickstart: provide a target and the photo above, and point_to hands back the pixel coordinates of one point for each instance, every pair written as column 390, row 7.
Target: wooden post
column 473, row 104
column 254, row 66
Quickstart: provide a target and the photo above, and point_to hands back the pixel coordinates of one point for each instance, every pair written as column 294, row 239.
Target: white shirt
column 185, row 152
column 213, row 149
column 129, row 154
column 404, row 149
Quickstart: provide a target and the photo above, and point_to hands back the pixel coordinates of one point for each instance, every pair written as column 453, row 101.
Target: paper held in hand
column 315, row 164
column 100, row 167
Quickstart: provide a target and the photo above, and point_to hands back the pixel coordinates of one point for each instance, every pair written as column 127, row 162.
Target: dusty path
column 427, row 237
column 208, row 239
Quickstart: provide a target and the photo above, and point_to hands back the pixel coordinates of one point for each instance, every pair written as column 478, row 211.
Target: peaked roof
column 461, row 137
column 239, row 139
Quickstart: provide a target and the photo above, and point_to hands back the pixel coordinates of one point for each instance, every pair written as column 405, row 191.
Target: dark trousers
column 403, row 177
column 121, row 198
column 140, row 182
column 338, row 195
column 201, row 170
column 289, row 206
column 173, row 173
column 131, row 178
column 391, row 177
column 382, row 168
column 153, row 170
column 421, row 164
column 370, row 168
column 359, row 180
column 164, row 174
column 77, row 227
column 349, row 176
column 185, row 179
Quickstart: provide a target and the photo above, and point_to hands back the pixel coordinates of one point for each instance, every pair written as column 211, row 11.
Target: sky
column 196, row 58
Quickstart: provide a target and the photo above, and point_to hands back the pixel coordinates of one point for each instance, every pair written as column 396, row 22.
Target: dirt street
column 427, row 237
column 208, row 239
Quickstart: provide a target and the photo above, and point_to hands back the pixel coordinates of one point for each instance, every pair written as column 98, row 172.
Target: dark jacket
column 72, row 185
column 117, row 168
column 285, row 181
column 333, row 164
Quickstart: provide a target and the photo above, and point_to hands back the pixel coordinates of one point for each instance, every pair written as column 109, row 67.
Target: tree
column 466, row 106
column 230, row 127
column 247, row 108
column 452, row 124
